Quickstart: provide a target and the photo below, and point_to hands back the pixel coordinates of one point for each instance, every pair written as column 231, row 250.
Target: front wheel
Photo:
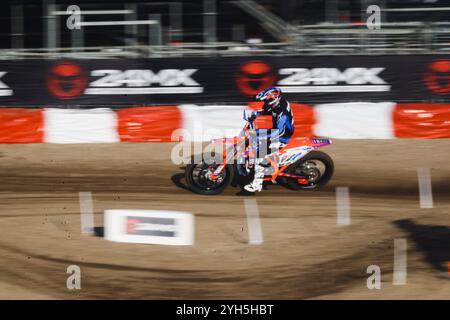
column 197, row 178
column 317, row 169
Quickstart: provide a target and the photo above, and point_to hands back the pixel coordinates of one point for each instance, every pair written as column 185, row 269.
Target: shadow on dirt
column 237, row 182
column 433, row 240
column 99, row 232
column 177, row 180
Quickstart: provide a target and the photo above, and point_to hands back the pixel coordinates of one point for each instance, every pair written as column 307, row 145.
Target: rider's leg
column 257, row 183
column 266, row 148
column 260, row 157
column 271, row 161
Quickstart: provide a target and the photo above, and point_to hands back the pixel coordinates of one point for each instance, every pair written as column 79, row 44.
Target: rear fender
column 319, row 143
column 291, row 155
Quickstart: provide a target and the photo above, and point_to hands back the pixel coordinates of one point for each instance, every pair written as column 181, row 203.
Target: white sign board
column 149, row 226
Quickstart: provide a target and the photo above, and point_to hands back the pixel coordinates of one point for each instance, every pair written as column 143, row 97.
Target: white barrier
column 204, row 123
column 355, row 120
column 80, row 126
column 149, row 226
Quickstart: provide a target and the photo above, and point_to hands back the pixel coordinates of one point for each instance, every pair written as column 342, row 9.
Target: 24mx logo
column 332, row 80
column 138, row 81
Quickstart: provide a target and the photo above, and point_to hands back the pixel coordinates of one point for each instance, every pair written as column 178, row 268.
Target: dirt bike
column 297, row 165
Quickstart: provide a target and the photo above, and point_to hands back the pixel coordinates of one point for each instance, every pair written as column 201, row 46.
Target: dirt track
column 304, row 254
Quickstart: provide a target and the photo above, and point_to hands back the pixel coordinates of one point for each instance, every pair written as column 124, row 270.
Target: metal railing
column 142, row 51
column 395, row 38
column 335, row 39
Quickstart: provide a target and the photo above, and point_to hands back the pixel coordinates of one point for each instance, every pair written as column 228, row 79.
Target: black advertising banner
column 158, row 81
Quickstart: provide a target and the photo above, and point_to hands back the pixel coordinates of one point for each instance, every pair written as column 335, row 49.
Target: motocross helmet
column 271, row 97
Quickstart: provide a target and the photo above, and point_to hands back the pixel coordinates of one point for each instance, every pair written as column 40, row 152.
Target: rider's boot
column 257, row 183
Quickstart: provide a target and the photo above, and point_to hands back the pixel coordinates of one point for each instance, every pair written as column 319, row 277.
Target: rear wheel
column 317, row 169
column 198, row 178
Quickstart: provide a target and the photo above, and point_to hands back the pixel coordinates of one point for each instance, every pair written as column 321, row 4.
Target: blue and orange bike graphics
column 298, row 165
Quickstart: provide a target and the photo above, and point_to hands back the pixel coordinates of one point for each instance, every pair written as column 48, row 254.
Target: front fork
column 228, row 155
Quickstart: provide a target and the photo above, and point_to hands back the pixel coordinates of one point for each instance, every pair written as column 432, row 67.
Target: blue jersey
column 282, row 120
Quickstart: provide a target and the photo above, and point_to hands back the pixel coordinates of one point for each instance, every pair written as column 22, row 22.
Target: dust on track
column 304, row 254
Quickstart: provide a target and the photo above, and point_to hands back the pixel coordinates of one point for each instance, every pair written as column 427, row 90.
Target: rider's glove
column 252, row 116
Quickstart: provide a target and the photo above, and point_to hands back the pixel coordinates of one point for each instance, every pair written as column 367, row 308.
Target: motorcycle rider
column 282, row 120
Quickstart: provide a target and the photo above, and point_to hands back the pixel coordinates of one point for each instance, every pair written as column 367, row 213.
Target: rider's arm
column 253, row 115
column 263, row 112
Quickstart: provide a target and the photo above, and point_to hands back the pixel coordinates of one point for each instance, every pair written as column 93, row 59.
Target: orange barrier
column 422, row 120
column 148, row 124
column 21, row 125
column 156, row 124
column 304, row 118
